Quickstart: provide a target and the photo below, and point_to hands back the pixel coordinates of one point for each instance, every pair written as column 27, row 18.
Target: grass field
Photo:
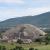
column 27, row 46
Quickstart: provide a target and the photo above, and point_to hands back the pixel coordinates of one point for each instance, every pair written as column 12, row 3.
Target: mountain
column 38, row 20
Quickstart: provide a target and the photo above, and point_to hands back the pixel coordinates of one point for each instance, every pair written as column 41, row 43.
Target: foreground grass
column 43, row 47
column 26, row 46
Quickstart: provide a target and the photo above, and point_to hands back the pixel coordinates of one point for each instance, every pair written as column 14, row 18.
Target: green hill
column 38, row 20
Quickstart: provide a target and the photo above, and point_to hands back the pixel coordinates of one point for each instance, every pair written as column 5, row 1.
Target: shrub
column 19, row 48
column 19, row 41
column 3, row 48
column 11, row 49
column 0, row 47
column 14, row 49
column 31, row 48
column 46, row 43
column 47, row 40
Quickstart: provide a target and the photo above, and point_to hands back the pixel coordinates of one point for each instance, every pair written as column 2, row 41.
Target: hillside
column 38, row 20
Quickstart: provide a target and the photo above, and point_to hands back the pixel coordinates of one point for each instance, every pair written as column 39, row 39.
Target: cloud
column 36, row 11
column 7, row 13
column 12, row 13
column 12, row 1
column 41, row 1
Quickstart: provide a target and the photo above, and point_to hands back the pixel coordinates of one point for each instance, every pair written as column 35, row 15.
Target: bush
column 19, row 41
column 0, row 47
column 11, row 49
column 31, row 48
column 47, row 41
column 4, row 48
column 19, row 48
column 14, row 49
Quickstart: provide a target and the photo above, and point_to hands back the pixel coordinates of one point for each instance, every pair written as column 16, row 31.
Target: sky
column 18, row 8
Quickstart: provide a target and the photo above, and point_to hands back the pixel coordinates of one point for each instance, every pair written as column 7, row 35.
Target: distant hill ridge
column 42, row 19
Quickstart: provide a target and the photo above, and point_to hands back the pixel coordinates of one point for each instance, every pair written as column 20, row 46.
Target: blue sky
column 18, row 8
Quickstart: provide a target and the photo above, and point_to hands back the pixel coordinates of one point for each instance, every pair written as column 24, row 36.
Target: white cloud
column 12, row 1
column 40, row 1
column 6, row 14
column 11, row 13
column 36, row 11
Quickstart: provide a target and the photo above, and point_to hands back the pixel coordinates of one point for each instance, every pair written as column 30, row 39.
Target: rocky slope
column 24, row 31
